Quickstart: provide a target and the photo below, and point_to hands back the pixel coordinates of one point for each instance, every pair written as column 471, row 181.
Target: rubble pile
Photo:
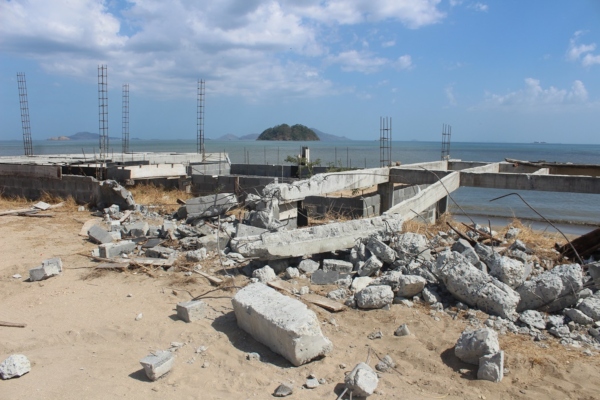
column 363, row 264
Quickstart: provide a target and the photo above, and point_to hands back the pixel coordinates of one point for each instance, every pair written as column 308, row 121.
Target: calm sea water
column 563, row 207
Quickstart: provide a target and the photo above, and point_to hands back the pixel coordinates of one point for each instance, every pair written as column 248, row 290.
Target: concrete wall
column 210, row 168
column 367, row 206
column 31, row 171
column 123, row 173
column 441, row 165
column 207, row 184
column 517, row 168
column 458, row 165
column 550, row 183
column 262, row 170
column 416, row 176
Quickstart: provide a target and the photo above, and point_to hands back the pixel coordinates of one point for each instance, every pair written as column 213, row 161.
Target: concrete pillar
column 386, row 193
column 302, row 220
column 442, row 206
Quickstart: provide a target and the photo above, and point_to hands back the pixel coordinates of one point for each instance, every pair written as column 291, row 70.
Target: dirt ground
column 83, row 340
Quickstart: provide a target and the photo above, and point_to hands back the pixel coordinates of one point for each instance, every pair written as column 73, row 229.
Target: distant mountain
column 284, row 132
column 250, row 136
column 83, row 136
column 327, row 137
column 229, row 136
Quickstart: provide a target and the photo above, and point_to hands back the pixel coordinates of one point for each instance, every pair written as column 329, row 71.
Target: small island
column 290, row 133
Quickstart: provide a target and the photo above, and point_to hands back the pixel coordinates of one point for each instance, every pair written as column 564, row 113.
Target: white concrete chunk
column 362, row 381
column 411, row 285
column 157, row 364
column 491, row 367
column 374, row 297
column 472, row 345
column 14, row 366
column 191, row 310
column 283, row 324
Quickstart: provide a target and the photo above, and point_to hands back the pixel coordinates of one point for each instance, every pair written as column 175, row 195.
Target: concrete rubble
column 362, row 381
column 14, row 366
column 472, row 345
column 50, row 267
column 283, row 324
column 158, row 364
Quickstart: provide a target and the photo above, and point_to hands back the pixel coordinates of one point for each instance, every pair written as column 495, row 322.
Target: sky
column 495, row 70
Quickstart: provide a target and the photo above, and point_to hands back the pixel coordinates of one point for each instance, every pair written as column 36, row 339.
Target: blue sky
column 498, row 71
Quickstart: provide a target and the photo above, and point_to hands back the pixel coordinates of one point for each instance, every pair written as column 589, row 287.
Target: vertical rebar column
column 200, row 122
column 385, row 141
column 103, row 111
column 125, row 118
column 446, row 135
column 27, row 144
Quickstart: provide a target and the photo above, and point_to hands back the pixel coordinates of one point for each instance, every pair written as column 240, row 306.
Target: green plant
column 301, row 163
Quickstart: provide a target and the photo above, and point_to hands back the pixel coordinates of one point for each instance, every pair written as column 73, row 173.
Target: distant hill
column 284, row 132
column 250, row 136
column 327, row 137
column 83, row 136
column 229, row 136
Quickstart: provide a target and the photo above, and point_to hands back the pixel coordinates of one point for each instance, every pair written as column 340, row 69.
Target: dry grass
column 10, row 203
column 164, row 199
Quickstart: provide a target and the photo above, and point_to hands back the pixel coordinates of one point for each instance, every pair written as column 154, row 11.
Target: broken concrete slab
column 474, row 287
column 360, row 283
column 532, row 318
column 472, row 345
column 409, row 246
column 591, row 307
column 157, row 364
column 369, row 267
column 344, row 267
column 507, row 270
column 14, row 366
column 491, row 367
column 190, row 311
column 50, row 267
column 384, row 252
column 283, row 324
column 362, row 381
column 264, row 274
column 321, row 277
column 552, row 290
column 160, row 252
column 410, row 285
column 244, row 230
column 215, row 242
column 578, row 316
column 136, row 229
column 208, row 206
column 314, row 240
column 374, row 297
column 99, row 235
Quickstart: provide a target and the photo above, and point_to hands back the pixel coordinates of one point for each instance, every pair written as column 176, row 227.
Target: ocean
column 566, row 208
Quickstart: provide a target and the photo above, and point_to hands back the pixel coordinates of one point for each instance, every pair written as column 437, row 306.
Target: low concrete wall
column 549, row 183
column 517, row 168
column 417, row 176
column 441, row 165
column 210, row 168
column 207, row 184
column 355, row 207
column 31, row 171
column 262, row 170
column 123, row 173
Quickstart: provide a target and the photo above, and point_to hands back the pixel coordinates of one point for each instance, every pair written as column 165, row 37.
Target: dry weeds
column 158, row 196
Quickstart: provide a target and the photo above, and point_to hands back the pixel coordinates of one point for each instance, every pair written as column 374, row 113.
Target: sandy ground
column 83, row 340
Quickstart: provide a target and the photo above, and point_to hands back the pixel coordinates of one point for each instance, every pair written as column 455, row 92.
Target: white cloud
column 479, row 7
column 389, row 43
column 254, row 47
column 534, row 95
column 575, row 51
column 449, row 91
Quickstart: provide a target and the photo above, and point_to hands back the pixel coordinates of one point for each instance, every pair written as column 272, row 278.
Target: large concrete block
column 157, row 364
column 49, row 268
column 283, row 324
column 362, row 381
column 99, row 235
column 374, row 297
column 314, row 240
column 475, row 287
column 191, row 310
column 208, row 206
column 340, row 266
column 472, row 345
column 109, row 250
column 384, row 252
column 553, row 290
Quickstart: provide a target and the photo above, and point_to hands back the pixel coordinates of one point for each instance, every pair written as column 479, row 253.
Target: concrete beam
column 417, row 176
column 549, row 183
column 31, row 171
column 321, row 184
column 313, row 240
column 491, row 167
column 428, row 197
column 458, row 165
column 434, row 165
column 146, row 171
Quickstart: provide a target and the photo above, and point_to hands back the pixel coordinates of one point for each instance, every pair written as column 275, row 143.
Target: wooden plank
column 279, row 285
column 323, row 302
column 12, row 324
column 212, row 279
column 115, row 265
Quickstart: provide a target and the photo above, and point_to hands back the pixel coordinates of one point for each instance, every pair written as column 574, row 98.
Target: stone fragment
column 362, row 381
column 461, row 245
column 472, row 345
column 283, row 324
column 370, row 267
column 384, row 252
column 99, row 235
column 157, row 364
column 374, row 297
column 533, row 319
column 308, row 266
column 491, row 367
column 136, row 229
column 109, row 250
column 337, row 265
column 253, row 357
column 160, row 252
column 191, row 310
column 207, row 206
column 402, row 330
column 385, row 364
column 410, row 245
column 291, row 273
column 196, row 255
column 577, row 316
column 507, row 270
column 410, row 285
column 360, row 283
column 474, row 287
column 430, row 295
column 264, row 274
column 591, row 307
column 244, row 230
column 49, row 268
column 338, row 294
column 552, row 290
column 512, row 233
column 283, row 390
column 311, row 383
column 14, row 366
